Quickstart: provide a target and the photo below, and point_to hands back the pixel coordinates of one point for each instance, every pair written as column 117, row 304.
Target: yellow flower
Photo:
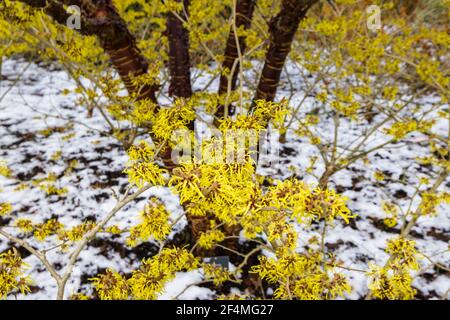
column 111, row 286
column 11, row 274
column 77, row 232
column 143, row 151
column 216, row 273
column 154, row 222
column 401, row 129
column 146, row 172
column 208, row 239
column 46, row 229
column 147, row 282
column 301, row 276
column 25, row 225
column 390, row 222
column 379, row 175
column 113, row 229
column 5, row 208
column 4, row 170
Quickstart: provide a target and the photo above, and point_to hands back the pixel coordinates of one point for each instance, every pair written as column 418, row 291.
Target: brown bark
column 179, row 64
column 120, row 45
column 282, row 31
column 244, row 14
column 100, row 18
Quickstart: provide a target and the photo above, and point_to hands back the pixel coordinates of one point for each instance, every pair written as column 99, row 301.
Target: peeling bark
column 100, row 18
column 179, row 64
column 282, row 31
column 244, row 14
column 119, row 44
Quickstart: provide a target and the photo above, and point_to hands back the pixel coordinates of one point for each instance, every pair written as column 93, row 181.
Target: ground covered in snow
column 91, row 165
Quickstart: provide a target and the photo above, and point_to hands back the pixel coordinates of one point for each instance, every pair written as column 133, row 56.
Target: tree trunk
column 120, row 45
column 282, row 31
column 179, row 64
column 244, row 13
column 100, row 18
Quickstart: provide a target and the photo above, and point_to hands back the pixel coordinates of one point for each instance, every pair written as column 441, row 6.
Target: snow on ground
column 36, row 104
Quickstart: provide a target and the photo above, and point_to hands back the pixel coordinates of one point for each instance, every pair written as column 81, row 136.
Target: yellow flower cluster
column 48, row 228
column 141, row 152
column 42, row 231
column 11, row 274
column 154, row 222
column 301, row 276
column 216, row 274
column 232, row 195
column 430, row 201
column 208, row 239
column 149, row 280
column 401, row 129
column 48, row 185
column 379, row 175
column 386, row 285
column 78, row 296
column 113, row 229
column 4, row 170
column 263, row 112
column 327, row 204
column 305, row 204
column 167, row 120
column 429, row 71
column 146, row 172
column 5, row 208
column 403, row 253
column 24, row 225
column 143, row 113
column 391, row 211
column 393, row 281
column 224, row 190
column 276, row 112
column 206, row 26
column 111, row 286
column 347, row 109
column 141, row 166
column 76, row 233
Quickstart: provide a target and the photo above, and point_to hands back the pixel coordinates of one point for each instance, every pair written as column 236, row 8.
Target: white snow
column 36, row 103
